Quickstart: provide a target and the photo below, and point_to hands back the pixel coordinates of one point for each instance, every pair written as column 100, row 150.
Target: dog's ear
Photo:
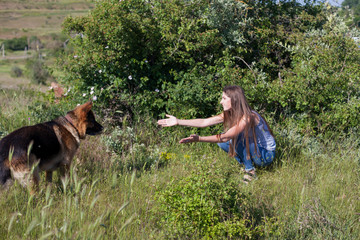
column 86, row 107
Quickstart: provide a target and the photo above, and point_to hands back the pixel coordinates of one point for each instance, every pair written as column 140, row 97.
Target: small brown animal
column 58, row 90
column 45, row 147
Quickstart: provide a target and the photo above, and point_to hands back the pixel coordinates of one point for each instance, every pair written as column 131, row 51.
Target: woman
column 247, row 135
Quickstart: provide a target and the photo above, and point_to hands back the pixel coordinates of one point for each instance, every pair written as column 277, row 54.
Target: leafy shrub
column 150, row 57
column 325, row 74
column 16, row 72
column 207, row 204
column 352, row 7
column 37, row 71
column 136, row 55
column 16, row 43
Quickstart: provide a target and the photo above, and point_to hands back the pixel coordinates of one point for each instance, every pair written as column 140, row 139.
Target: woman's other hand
column 169, row 122
column 192, row 138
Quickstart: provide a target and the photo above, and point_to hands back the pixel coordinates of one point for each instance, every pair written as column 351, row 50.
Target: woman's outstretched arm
column 199, row 122
column 224, row 137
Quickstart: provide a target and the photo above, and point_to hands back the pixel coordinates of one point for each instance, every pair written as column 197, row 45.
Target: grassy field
column 310, row 192
column 6, row 80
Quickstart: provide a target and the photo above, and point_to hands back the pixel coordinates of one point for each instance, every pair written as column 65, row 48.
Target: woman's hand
column 169, row 122
column 192, row 138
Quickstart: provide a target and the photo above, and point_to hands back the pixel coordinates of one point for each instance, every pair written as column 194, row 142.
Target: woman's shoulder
column 256, row 117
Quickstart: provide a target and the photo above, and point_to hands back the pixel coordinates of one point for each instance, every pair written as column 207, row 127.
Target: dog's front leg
column 64, row 170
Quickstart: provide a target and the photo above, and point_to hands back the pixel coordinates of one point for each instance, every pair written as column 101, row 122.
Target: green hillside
column 27, row 18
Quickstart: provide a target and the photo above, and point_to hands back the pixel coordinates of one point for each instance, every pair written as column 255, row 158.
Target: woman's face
column 225, row 102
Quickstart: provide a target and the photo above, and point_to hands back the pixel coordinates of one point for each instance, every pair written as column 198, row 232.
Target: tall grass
column 316, row 193
column 14, row 111
column 310, row 192
column 74, row 209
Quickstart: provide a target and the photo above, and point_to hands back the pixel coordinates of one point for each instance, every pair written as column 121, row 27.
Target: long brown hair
column 240, row 109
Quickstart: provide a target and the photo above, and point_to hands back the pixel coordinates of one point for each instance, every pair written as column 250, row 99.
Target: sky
column 332, row 2
column 335, row 2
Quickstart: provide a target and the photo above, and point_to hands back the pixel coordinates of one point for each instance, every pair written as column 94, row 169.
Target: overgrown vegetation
column 16, row 71
column 209, row 203
column 352, row 8
column 137, row 60
column 291, row 59
column 37, row 71
column 16, row 43
column 191, row 191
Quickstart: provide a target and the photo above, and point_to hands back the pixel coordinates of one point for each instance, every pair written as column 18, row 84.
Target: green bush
column 352, row 7
column 16, row 72
column 323, row 82
column 149, row 57
column 16, row 43
column 209, row 204
column 134, row 47
column 37, row 71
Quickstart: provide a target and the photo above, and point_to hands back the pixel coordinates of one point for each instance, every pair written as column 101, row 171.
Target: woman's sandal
column 249, row 176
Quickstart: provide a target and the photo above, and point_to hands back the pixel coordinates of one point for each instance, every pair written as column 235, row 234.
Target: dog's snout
column 94, row 130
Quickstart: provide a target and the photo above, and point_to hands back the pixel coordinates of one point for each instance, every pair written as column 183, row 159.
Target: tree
column 151, row 57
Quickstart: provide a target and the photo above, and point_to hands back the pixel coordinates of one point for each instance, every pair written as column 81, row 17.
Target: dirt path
column 14, row 57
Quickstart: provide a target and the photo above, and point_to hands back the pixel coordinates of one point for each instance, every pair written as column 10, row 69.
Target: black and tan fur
column 45, row 147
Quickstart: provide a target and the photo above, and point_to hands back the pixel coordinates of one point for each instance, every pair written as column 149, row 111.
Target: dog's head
column 84, row 121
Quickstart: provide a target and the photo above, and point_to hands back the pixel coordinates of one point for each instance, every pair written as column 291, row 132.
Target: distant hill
column 37, row 18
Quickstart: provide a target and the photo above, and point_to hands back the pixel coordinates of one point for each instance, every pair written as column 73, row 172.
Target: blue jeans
column 262, row 158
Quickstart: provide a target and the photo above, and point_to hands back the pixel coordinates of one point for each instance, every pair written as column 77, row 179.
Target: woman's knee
column 264, row 158
column 268, row 157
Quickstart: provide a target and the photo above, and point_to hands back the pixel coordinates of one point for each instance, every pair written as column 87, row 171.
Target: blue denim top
column 264, row 138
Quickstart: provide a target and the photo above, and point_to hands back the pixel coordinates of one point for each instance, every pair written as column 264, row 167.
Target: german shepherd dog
column 45, row 147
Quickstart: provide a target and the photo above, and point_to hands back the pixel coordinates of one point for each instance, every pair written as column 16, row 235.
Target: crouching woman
column 247, row 137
